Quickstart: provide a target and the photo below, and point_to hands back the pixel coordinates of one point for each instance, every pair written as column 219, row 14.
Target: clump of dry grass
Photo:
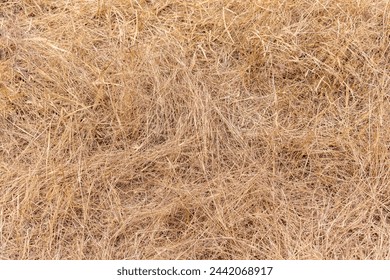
column 194, row 129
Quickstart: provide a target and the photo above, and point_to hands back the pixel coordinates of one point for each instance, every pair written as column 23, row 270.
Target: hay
column 195, row 129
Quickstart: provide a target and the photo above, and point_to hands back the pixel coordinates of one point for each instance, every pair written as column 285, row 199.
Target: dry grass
column 195, row 129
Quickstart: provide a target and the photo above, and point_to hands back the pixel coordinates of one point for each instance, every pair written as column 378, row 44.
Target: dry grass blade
column 195, row 129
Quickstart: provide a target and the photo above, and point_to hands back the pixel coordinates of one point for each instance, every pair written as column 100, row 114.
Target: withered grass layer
column 183, row 129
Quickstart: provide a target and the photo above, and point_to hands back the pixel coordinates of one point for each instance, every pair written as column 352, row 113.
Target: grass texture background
column 207, row 129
